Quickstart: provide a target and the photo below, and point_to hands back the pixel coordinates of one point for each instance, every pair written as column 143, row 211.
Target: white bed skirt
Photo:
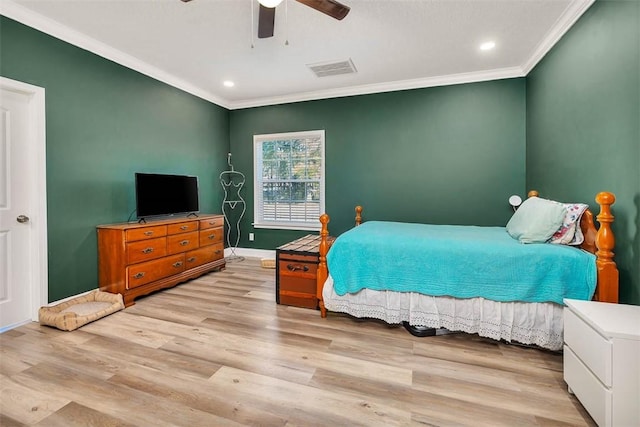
column 527, row 323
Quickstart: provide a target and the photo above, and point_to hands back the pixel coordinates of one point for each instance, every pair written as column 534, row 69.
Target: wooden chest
column 297, row 265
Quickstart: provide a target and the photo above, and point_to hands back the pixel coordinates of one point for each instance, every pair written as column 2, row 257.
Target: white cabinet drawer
column 592, row 348
column 593, row 395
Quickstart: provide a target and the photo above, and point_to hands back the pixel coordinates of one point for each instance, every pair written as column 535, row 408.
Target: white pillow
column 536, row 220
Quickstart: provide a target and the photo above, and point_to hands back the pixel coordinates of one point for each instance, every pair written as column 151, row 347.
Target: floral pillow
column 569, row 232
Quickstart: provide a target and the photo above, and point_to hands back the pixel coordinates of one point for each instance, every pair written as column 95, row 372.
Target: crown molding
column 453, row 79
column 573, row 12
column 53, row 28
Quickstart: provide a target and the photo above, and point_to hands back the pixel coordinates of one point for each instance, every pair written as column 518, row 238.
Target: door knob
column 22, row 219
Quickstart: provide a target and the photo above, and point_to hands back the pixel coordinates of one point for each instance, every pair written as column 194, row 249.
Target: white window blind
column 289, row 180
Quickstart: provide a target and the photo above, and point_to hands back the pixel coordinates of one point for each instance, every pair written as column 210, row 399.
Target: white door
column 22, row 212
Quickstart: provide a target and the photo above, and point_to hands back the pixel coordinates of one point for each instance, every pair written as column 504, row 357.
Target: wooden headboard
column 599, row 241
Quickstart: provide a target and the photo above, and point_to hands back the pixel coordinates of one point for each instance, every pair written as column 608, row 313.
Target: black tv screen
column 159, row 194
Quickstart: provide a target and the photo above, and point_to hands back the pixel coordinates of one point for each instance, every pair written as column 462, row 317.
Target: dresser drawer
column 211, row 236
column 204, row 255
column 182, row 242
column 211, row 222
column 182, row 227
column 146, row 272
column 589, row 346
column 145, row 250
column 145, row 233
column 218, row 251
column 593, row 395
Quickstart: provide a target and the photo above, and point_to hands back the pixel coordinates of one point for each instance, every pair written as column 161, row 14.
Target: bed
column 497, row 286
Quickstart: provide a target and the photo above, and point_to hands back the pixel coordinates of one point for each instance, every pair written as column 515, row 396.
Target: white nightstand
column 602, row 360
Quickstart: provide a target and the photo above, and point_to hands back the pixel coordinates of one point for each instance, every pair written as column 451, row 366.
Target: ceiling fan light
column 270, row 3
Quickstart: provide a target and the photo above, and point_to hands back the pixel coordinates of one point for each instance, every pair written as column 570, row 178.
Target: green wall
column 105, row 122
column 583, row 124
column 450, row 154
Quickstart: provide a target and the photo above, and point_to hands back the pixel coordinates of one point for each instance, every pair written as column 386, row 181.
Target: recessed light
column 487, row 45
column 228, row 83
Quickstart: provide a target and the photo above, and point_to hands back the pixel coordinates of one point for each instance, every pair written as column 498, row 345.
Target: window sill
column 300, row 227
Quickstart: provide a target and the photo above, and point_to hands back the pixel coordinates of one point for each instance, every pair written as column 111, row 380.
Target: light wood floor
column 219, row 351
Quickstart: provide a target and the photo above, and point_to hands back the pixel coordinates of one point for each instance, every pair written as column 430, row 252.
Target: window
column 289, row 180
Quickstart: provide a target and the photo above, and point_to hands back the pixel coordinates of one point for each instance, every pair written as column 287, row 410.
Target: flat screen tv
column 159, row 194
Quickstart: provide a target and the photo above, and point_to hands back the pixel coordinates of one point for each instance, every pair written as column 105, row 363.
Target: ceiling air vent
column 326, row 69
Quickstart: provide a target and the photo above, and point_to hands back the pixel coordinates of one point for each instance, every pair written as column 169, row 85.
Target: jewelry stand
column 232, row 182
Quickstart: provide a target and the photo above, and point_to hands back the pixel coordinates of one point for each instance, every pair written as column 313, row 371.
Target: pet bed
column 79, row 311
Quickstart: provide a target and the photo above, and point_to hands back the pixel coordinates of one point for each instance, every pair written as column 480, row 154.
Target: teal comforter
column 458, row 261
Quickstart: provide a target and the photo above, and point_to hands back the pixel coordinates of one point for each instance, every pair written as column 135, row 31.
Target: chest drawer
column 145, row 233
column 594, row 350
column 211, row 236
column 297, row 291
column 294, row 266
column 211, row 222
column 145, row 250
column 147, row 272
column 298, row 284
column 182, row 242
column 182, row 227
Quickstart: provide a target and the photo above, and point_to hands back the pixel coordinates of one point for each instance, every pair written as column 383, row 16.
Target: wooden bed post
column 358, row 215
column 322, row 273
column 607, row 287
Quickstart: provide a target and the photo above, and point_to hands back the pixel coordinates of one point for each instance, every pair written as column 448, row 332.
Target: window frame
column 258, row 220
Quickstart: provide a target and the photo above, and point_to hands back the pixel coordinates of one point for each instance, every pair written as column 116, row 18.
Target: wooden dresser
column 297, row 265
column 136, row 259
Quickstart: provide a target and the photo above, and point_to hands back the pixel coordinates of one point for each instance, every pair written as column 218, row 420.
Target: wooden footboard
column 600, row 242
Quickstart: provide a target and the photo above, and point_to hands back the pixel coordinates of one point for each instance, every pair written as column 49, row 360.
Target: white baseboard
column 68, row 298
column 251, row 253
column 15, row 325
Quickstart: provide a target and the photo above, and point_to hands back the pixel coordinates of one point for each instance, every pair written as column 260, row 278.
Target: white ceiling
column 394, row 44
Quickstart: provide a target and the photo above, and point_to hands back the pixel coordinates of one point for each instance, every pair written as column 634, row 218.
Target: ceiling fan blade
column 328, row 7
column 266, row 20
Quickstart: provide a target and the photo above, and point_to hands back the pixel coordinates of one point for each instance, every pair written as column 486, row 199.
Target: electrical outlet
column 251, row 237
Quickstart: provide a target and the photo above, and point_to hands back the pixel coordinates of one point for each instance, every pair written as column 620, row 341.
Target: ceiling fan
column 267, row 14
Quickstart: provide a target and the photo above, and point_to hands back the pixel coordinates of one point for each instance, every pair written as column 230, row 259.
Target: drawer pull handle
column 184, row 243
column 184, row 227
column 147, row 250
column 218, row 252
column 297, row 267
column 212, row 223
column 148, row 233
column 139, row 275
column 177, row 264
column 191, row 259
column 212, row 236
